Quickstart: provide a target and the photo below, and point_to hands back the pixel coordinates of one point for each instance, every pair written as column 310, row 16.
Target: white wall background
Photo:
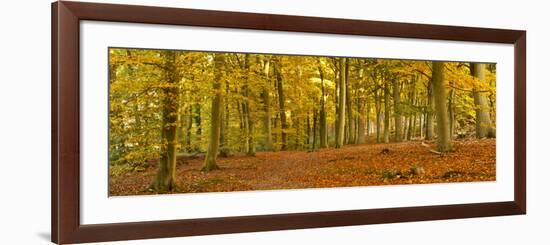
column 25, row 121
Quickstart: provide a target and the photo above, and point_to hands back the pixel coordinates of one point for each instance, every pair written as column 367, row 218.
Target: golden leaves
column 358, row 165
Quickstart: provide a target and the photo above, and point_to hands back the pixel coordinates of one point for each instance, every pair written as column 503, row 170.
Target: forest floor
column 409, row 162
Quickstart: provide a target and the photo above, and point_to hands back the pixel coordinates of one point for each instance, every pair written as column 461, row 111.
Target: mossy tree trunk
column 215, row 121
column 165, row 179
column 483, row 119
column 440, row 100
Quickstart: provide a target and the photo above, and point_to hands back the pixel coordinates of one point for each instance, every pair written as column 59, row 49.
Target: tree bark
column 361, row 126
column 188, row 129
column 251, row 145
column 341, row 105
column 397, row 110
column 349, row 109
column 429, row 113
column 323, row 113
column 165, row 179
column 267, row 109
column 282, row 111
column 378, row 109
column 198, row 121
column 386, row 113
column 215, row 121
column 483, row 119
column 451, row 113
column 313, row 147
column 440, row 99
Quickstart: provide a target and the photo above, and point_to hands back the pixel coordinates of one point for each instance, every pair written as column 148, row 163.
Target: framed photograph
column 174, row 122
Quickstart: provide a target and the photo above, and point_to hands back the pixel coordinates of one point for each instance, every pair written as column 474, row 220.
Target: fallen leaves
column 354, row 165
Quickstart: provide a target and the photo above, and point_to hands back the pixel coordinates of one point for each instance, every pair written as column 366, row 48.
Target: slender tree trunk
column 378, row 114
column 361, row 127
column 412, row 118
column 341, row 106
column 336, row 101
column 267, row 109
column 165, row 180
column 251, row 145
column 225, row 120
column 189, row 129
column 349, row 109
column 429, row 113
column 451, row 113
column 440, row 99
column 282, row 111
column 368, row 119
column 215, row 121
column 313, row 147
column 410, row 131
column 483, row 119
column 239, row 111
column 421, row 125
column 244, row 130
column 323, row 113
column 397, row 110
column 251, row 142
column 386, row 113
column 308, row 130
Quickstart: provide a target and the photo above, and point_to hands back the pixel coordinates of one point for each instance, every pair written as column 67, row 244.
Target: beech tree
column 215, row 123
column 440, row 99
column 341, row 105
column 483, row 120
column 165, row 179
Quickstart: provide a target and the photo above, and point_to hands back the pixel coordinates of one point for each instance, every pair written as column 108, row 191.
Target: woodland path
column 353, row 165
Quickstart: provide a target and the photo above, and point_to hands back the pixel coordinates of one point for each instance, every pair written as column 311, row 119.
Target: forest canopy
column 166, row 105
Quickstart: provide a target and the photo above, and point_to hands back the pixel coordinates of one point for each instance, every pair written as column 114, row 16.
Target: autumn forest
column 194, row 121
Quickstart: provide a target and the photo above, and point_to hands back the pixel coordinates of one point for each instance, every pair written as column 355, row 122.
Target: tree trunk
column 440, row 99
column 483, row 119
column 198, row 121
column 349, row 109
column 368, row 119
column 251, row 145
column 282, row 111
column 225, row 120
column 397, row 110
column 323, row 113
column 341, row 106
column 165, row 180
column 308, row 129
column 314, row 129
column 215, row 121
column 451, row 113
column 378, row 110
column 412, row 118
column 361, row 127
column 386, row 113
column 267, row 109
column 189, row 129
column 429, row 113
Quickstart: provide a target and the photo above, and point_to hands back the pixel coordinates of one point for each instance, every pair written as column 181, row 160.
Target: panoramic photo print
column 198, row 121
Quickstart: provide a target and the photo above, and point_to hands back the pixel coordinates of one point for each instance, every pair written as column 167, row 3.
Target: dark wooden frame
column 66, row 227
